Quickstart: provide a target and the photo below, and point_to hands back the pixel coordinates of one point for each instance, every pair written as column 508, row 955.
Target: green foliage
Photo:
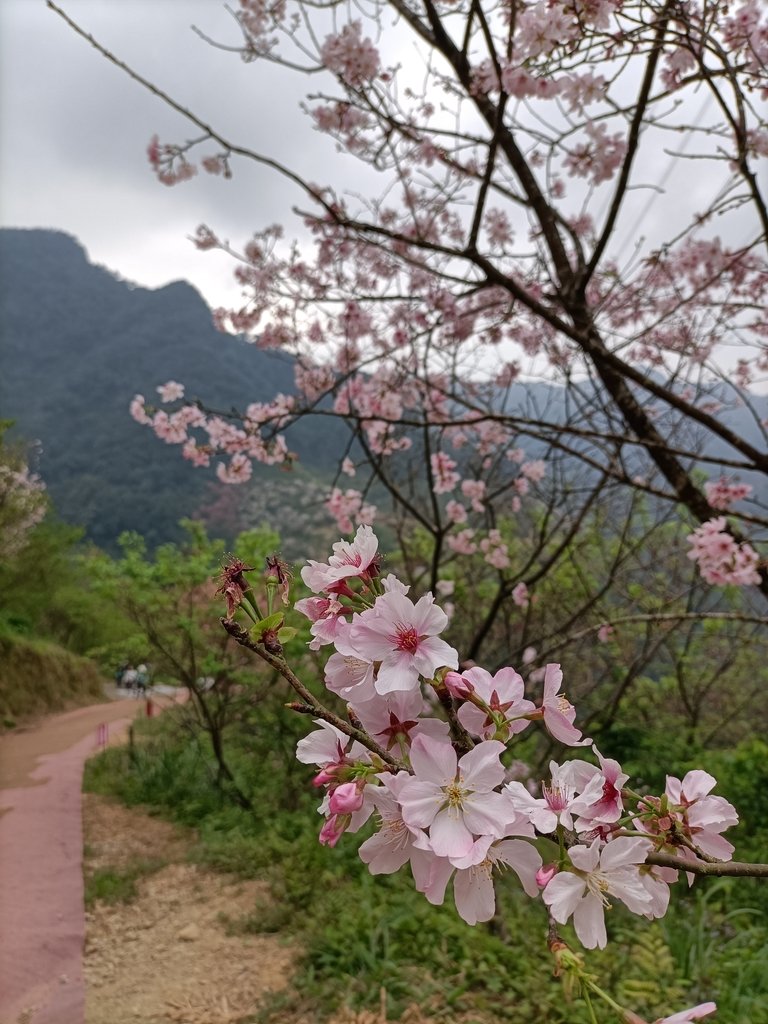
column 118, row 885
column 722, row 947
column 652, row 982
column 37, row 677
column 168, row 597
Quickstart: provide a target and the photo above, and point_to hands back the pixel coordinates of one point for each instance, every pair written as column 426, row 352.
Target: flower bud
column 346, row 799
column 325, row 776
column 333, row 829
column 545, row 874
column 458, row 686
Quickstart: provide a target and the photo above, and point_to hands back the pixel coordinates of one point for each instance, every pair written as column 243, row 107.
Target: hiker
column 142, row 678
column 130, row 677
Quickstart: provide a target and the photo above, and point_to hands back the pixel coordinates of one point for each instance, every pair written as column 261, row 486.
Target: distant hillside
column 77, row 343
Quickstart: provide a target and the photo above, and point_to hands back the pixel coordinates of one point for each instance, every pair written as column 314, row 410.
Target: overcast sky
column 74, row 131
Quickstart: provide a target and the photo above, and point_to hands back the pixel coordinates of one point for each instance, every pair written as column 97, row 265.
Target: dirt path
column 173, row 952
column 41, row 885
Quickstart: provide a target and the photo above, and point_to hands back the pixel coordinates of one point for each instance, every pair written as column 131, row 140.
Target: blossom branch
column 237, row 632
column 715, row 868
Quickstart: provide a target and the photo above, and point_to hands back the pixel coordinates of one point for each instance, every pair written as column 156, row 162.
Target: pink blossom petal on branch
column 433, row 761
column 589, row 922
column 474, row 894
column 449, row 835
column 563, row 893
column 694, row 1013
column 481, row 768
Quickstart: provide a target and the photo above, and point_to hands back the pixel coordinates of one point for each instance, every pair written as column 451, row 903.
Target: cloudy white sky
column 74, row 131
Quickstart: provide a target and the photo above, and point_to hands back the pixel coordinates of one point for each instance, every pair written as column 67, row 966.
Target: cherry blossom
column 395, row 843
column 455, row 799
column 694, row 1013
column 599, row 871
column 349, row 559
column 556, row 805
column 700, row 816
column 558, row 712
column 600, row 801
column 403, row 636
column 171, row 391
column 720, row 558
column 444, row 473
column 473, row 889
column 495, row 707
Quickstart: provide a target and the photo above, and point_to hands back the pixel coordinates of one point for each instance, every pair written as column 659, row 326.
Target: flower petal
column 589, row 922
column 563, row 893
column 433, row 761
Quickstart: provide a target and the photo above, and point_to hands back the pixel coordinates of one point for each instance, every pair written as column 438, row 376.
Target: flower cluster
column 720, row 558
column 445, row 802
column 22, row 506
column 721, row 494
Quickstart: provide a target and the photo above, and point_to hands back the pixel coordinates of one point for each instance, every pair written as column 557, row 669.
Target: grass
column 37, row 677
column 118, row 885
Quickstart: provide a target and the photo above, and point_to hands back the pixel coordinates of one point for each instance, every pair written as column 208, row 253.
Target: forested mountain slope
column 77, row 343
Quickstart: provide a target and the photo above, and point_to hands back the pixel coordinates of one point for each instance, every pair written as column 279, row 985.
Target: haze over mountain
column 78, row 342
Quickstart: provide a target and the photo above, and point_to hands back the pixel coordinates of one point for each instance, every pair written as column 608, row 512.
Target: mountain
column 77, row 342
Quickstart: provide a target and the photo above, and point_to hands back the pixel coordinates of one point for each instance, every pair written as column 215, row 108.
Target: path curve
column 42, row 920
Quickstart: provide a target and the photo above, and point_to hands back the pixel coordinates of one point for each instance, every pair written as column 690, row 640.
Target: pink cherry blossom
column 462, row 542
column 555, row 807
column 455, row 800
column 353, row 58
column 473, row 890
column 171, row 391
column 394, row 720
column 403, row 636
column 444, row 473
column 720, row 558
column 498, row 707
column 694, row 1013
column 475, row 491
column 395, row 843
column 535, row 470
column 349, row 560
column 238, row 471
column 327, row 616
column 721, row 494
column 601, row 802
column 599, row 871
column 324, row 746
column 138, row 411
column 456, row 512
column 495, row 549
column 701, row 816
column 558, row 712
column 346, row 798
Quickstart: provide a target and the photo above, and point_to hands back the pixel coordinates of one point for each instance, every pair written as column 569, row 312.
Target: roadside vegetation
column 364, row 936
